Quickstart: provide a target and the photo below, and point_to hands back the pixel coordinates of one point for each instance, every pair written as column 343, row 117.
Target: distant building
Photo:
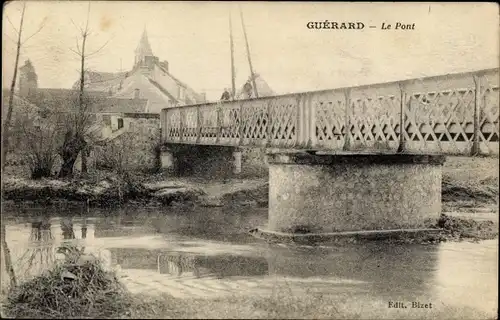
column 28, row 79
column 149, row 79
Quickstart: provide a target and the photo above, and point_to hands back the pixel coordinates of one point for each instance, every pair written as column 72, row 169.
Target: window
column 120, row 123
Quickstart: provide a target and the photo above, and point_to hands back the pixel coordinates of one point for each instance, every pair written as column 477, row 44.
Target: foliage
column 116, row 154
column 50, row 130
column 39, row 142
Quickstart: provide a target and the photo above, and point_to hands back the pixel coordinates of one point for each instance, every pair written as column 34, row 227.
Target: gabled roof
column 158, row 79
column 263, row 89
column 101, row 81
column 157, row 85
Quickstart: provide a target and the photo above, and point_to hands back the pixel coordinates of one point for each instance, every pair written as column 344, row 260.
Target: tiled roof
column 163, row 90
column 101, row 81
column 67, row 100
column 122, row 105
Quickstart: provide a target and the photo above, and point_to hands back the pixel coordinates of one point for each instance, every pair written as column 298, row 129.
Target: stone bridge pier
column 352, row 194
column 201, row 160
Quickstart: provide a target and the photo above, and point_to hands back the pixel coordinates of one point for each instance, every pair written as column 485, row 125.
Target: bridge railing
column 452, row 114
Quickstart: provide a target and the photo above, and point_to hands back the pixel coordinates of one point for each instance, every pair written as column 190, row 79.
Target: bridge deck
column 451, row 114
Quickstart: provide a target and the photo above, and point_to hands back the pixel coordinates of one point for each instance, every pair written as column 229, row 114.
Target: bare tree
column 7, row 121
column 40, row 132
column 7, row 257
column 79, row 121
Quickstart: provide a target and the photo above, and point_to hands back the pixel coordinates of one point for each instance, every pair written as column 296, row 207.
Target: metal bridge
column 455, row 114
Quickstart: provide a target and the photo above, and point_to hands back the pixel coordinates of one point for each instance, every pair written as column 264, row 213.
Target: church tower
column 144, row 56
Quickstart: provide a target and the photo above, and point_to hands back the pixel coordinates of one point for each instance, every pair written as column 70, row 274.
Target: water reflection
column 211, row 244
column 188, row 264
column 38, row 255
column 389, row 271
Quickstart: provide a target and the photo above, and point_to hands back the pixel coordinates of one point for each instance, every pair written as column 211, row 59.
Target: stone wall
column 136, row 149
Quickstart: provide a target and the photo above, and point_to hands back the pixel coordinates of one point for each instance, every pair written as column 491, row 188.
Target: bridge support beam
column 353, row 192
column 167, row 159
column 237, row 156
column 201, row 160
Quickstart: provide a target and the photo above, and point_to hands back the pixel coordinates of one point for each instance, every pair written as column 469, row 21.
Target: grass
column 456, row 229
column 285, row 304
column 72, row 289
column 470, row 183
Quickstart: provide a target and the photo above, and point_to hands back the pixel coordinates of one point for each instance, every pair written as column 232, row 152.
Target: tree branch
column 39, row 29
column 75, row 52
column 12, row 24
column 97, row 51
column 6, row 123
column 78, row 45
column 80, row 28
column 88, row 16
column 8, row 37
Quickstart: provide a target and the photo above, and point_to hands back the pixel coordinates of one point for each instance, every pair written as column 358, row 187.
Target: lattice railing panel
column 440, row 114
column 255, row 119
column 173, row 125
column 230, row 123
column 283, row 119
column 489, row 115
column 209, row 125
column 440, row 120
column 330, row 109
column 190, row 124
column 374, row 117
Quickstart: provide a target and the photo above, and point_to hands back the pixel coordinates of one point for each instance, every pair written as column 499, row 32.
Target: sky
column 194, row 38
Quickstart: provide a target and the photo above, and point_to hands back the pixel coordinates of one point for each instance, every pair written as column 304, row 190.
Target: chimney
column 137, row 94
column 164, row 65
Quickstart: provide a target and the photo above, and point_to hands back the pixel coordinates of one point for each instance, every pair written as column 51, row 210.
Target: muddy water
column 207, row 253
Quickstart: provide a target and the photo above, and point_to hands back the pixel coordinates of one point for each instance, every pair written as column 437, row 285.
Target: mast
column 248, row 55
column 233, row 86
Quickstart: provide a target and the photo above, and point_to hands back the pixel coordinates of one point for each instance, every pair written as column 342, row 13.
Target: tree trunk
column 6, row 122
column 7, row 258
column 72, row 146
column 67, row 166
column 84, row 153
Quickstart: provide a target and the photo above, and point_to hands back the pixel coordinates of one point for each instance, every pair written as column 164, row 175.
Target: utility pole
column 248, row 55
column 233, row 86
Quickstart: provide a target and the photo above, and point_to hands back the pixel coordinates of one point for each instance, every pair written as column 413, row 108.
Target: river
column 207, row 253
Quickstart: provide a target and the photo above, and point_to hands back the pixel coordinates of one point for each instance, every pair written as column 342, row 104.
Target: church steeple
column 143, row 49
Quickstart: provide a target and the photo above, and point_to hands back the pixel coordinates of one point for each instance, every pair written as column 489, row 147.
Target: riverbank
column 469, row 184
column 113, row 190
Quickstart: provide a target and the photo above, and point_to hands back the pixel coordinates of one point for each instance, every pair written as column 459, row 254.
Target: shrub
column 73, row 289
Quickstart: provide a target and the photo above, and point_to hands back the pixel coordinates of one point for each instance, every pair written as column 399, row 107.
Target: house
column 149, row 79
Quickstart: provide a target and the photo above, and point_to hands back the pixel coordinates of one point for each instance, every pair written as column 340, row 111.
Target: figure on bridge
column 226, row 96
column 248, row 89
